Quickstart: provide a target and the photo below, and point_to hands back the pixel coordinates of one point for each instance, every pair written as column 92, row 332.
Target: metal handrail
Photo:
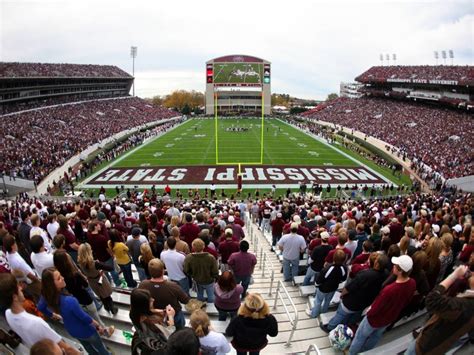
column 268, row 259
column 311, row 348
column 293, row 321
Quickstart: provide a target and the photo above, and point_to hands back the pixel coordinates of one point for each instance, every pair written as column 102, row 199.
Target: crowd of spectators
column 464, row 75
column 34, row 143
column 405, row 242
column 438, row 138
column 43, row 102
column 62, row 70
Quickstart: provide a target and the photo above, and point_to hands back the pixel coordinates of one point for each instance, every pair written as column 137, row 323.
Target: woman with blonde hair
column 211, row 341
column 418, row 230
column 252, row 325
column 433, row 264
column 446, row 256
column 94, row 271
column 145, row 257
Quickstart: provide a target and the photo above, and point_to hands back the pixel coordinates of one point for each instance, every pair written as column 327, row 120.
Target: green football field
column 196, row 153
column 194, row 143
column 238, row 73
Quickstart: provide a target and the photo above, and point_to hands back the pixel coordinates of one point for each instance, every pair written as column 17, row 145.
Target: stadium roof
column 60, row 70
column 238, row 58
column 422, row 74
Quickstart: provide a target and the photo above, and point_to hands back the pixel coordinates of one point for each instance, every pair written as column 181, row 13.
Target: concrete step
column 296, row 346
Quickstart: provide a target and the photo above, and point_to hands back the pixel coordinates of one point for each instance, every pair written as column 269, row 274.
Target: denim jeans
column 343, row 316
column 310, row 276
column 321, row 303
column 127, row 274
column 245, row 282
column 366, row 337
column 184, row 284
column 411, row 350
column 179, row 320
column 141, row 273
column 290, row 268
column 115, row 275
column 209, row 292
column 94, row 345
column 265, row 225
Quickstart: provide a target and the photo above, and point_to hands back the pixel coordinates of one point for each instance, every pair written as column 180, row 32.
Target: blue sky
column 313, row 45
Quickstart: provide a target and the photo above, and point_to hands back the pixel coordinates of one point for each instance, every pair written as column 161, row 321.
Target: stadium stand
column 435, row 219
column 435, row 136
column 62, row 70
column 36, row 142
column 464, row 75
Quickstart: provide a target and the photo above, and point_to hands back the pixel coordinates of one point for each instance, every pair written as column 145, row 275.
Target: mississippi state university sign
column 225, row 175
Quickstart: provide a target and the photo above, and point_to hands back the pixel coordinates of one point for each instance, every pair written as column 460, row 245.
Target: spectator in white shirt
column 53, row 225
column 40, row 258
column 174, row 263
column 37, row 230
column 211, row 341
column 29, row 327
column 18, row 264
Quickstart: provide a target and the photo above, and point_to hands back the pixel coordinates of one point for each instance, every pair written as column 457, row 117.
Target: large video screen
column 238, row 73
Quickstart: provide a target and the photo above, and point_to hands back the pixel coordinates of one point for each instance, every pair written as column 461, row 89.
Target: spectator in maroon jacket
column 396, row 230
column 189, row 231
column 237, row 229
column 386, row 307
column 277, row 228
column 226, row 248
column 99, row 245
column 243, row 264
column 71, row 245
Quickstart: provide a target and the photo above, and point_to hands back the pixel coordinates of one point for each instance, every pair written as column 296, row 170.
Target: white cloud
column 313, row 45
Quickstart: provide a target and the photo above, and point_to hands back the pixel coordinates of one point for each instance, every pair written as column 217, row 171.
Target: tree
column 280, row 100
column 157, row 100
column 180, row 98
column 332, row 96
column 186, row 110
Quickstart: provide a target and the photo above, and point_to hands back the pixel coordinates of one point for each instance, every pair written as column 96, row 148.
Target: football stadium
column 130, row 227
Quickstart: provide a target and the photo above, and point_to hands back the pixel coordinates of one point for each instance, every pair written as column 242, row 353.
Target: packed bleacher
column 436, row 137
column 36, row 142
column 464, row 75
column 50, row 70
column 398, row 255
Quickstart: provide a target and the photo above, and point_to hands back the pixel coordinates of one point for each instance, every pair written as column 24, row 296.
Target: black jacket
column 251, row 334
column 330, row 277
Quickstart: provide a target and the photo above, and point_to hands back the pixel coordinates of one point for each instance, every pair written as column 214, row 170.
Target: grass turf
column 193, row 143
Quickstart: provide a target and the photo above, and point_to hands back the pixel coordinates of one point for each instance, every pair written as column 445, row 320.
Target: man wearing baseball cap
column 386, row 307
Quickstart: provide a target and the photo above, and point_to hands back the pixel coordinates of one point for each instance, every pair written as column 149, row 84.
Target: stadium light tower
column 387, row 58
column 133, row 54
column 436, row 55
column 394, row 58
column 381, row 58
column 451, row 55
column 443, row 55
